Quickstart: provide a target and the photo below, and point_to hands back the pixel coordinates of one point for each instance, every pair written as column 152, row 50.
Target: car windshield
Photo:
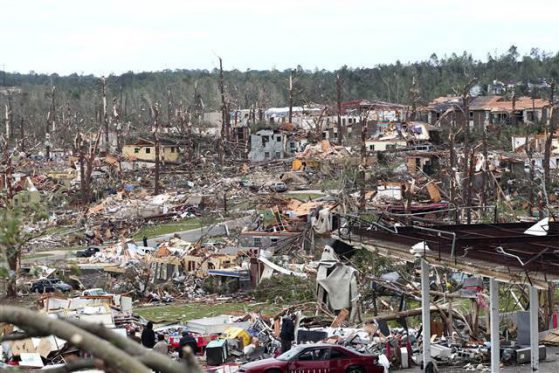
column 290, row 354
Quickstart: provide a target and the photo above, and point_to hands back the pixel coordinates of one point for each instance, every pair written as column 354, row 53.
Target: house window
column 148, row 150
column 265, row 139
column 278, row 155
column 325, row 135
column 372, row 148
column 390, row 147
column 278, row 138
column 257, row 242
column 292, row 145
column 343, row 121
column 531, row 116
column 274, row 240
column 350, row 120
column 172, row 149
column 136, row 150
column 335, row 135
column 266, row 155
column 471, row 115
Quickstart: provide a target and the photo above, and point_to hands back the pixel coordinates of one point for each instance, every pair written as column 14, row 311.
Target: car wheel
column 273, row 371
column 354, row 370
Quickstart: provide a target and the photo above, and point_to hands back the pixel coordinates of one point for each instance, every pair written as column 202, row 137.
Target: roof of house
column 146, row 142
column 502, row 104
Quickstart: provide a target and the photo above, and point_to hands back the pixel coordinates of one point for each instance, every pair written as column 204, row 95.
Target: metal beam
column 494, row 319
column 425, row 311
column 534, row 332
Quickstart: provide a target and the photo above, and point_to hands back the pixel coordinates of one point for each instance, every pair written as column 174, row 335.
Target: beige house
column 144, row 150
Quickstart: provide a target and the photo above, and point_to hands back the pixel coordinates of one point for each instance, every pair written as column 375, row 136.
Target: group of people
column 159, row 344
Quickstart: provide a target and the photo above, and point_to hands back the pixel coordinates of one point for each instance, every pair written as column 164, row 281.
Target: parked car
column 278, row 187
column 48, row 285
column 316, row 358
column 90, row 251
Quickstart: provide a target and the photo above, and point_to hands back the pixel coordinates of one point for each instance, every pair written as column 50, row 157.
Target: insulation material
column 324, row 222
column 434, row 192
column 337, row 284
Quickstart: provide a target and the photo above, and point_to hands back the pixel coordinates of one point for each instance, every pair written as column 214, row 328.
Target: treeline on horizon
column 136, row 92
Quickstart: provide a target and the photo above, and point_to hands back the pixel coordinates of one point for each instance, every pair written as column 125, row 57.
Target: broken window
column 531, row 116
column 136, row 150
column 148, row 150
column 265, row 140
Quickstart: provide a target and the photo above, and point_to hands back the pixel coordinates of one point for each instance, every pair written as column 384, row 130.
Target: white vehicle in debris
column 96, row 292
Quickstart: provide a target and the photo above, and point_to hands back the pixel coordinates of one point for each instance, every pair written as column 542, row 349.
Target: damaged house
column 144, row 150
column 267, row 144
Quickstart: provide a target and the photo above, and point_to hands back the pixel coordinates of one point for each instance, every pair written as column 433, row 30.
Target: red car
column 316, row 358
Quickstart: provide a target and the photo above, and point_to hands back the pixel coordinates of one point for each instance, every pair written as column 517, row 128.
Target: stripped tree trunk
column 105, row 114
column 155, row 110
column 339, row 107
column 224, row 124
column 291, row 97
column 51, row 122
column 362, row 201
column 549, row 139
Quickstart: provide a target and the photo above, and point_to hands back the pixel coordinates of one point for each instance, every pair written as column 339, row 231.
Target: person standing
column 287, row 334
column 187, row 340
column 148, row 336
column 161, row 345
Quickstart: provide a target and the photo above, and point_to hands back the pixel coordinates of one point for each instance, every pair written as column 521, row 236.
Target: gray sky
column 103, row 36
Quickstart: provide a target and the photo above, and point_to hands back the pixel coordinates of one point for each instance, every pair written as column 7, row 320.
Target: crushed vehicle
column 90, row 251
column 47, row 285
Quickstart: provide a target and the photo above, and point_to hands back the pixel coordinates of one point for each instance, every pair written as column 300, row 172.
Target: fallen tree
column 113, row 351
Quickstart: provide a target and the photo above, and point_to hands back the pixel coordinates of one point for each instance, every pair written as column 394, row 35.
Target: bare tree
column 339, row 108
column 466, row 166
column 290, row 115
column 550, row 129
column 112, row 352
column 155, row 110
column 225, row 122
column 51, row 122
column 105, row 112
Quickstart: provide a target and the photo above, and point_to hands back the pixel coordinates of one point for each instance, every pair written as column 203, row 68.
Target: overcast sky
column 104, row 36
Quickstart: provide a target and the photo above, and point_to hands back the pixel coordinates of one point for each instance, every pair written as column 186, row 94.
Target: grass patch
column 191, row 311
column 167, row 228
